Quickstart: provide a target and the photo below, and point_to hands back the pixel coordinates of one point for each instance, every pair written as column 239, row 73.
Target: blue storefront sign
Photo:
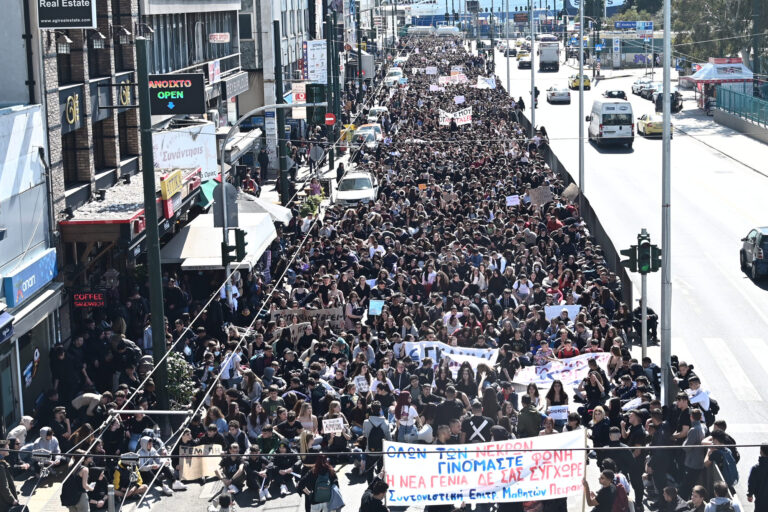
column 29, row 279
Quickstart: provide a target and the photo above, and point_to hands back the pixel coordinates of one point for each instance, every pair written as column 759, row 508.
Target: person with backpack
column 75, row 489
column 723, row 458
column 317, row 486
column 602, row 501
column 375, row 429
column 721, row 502
column 373, row 497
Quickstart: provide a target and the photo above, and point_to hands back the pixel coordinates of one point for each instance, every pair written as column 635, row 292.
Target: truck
column 549, row 56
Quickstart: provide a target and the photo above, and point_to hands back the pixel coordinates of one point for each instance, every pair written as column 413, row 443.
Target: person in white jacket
column 151, row 463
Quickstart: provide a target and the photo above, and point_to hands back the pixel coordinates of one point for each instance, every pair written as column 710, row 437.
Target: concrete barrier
column 740, row 124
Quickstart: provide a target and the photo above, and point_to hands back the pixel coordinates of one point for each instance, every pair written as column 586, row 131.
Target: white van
column 611, row 122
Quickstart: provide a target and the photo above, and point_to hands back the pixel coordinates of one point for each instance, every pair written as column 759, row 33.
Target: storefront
column 27, row 333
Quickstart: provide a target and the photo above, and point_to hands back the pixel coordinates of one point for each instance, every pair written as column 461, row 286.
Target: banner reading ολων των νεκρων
column 537, row 468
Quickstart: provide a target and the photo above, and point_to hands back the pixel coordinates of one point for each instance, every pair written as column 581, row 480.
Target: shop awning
column 240, row 144
column 206, row 193
column 197, row 246
column 247, row 203
column 723, row 72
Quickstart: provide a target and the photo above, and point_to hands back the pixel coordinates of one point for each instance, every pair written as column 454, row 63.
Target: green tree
column 714, row 28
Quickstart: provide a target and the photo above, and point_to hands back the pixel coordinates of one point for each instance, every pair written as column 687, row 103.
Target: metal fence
column 742, row 105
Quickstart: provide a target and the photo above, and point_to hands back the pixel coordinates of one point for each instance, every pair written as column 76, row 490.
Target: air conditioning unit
column 213, row 116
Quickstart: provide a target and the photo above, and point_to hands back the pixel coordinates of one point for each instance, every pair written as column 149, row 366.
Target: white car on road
column 356, row 187
column 639, row 84
column 558, row 95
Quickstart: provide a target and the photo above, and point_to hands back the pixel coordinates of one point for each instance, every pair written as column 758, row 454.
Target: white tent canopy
column 251, row 204
column 198, row 245
column 715, row 72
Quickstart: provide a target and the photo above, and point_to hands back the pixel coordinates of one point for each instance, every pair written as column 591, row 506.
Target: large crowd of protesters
column 452, row 263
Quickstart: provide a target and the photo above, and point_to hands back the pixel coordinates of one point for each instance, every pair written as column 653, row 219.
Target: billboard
column 65, row 14
column 187, row 148
column 315, row 61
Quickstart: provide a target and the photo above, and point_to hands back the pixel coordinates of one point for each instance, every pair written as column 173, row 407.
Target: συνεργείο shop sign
column 177, row 94
column 65, row 14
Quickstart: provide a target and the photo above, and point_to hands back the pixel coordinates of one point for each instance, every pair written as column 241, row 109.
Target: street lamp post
column 506, row 19
column 533, row 75
column 666, row 279
column 581, row 97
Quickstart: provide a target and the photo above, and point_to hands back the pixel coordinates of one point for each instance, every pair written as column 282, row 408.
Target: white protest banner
column 418, row 350
column 486, row 82
column 375, row 307
column 541, row 195
column 297, row 330
column 558, row 412
column 431, row 70
column 434, row 88
column 463, row 116
column 456, row 360
column 513, row 200
column 458, row 68
column 461, row 78
column 333, row 426
column 444, row 80
column 333, row 315
column 458, row 100
column 569, row 371
column 537, row 468
column 551, row 312
column 363, row 386
column 195, row 468
column 444, row 118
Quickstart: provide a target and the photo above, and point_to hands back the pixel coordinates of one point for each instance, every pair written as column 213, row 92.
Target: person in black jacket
column 757, row 487
column 373, row 497
column 282, row 470
column 307, row 483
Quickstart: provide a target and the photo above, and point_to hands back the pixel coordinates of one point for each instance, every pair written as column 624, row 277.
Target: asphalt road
column 719, row 185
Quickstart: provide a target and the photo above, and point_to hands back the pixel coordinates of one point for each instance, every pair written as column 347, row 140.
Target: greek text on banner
column 485, row 472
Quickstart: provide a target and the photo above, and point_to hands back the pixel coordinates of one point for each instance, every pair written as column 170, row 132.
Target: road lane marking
column 758, row 348
column 734, row 373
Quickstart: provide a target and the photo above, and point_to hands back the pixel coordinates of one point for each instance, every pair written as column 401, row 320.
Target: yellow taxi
column 523, row 53
column 573, row 82
column 649, row 125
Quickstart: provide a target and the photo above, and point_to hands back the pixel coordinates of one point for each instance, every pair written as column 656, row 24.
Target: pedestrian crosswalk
column 738, row 377
column 733, row 364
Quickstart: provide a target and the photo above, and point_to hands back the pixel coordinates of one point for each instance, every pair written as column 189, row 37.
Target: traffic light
column 226, row 254
column 240, row 244
column 315, row 94
column 644, row 255
column 630, row 253
column 655, row 258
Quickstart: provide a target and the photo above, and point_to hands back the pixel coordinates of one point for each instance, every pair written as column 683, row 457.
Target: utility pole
column 329, row 82
column 159, row 347
column 533, row 73
column 336, row 80
column 667, row 392
column 359, row 59
column 506, row 20
column 282, row 148
column 581, row 98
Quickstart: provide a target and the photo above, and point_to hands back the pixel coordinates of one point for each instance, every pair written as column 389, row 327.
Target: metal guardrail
column 742, row 105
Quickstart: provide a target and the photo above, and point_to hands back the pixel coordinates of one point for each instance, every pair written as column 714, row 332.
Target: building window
column 69, row 158
column 64, row 68
column 99, row 162
column 246, row 28
column 122, row 136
